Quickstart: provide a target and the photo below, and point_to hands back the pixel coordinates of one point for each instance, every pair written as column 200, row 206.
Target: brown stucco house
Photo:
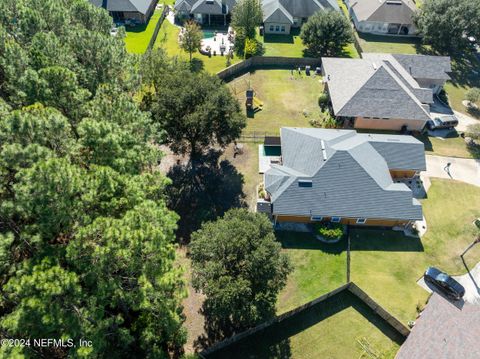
column 385, row 91
column 343, row 176
column 138, row 11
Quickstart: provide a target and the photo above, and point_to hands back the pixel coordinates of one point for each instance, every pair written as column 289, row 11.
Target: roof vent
column 324, row 152
column 374, row 65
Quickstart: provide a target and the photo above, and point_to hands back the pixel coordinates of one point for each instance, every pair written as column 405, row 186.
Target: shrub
column 329, row 231
column 473, row 95
column 473, row 131
column 323, row 100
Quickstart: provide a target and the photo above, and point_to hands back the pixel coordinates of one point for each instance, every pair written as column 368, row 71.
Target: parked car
column 443, row 122
column 449, row 286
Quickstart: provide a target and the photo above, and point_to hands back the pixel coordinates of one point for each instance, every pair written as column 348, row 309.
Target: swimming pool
column 207, row 34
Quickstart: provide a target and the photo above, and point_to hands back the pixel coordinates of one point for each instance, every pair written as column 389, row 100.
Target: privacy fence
column 260, row 62
column 157, row 27
column 350, row 288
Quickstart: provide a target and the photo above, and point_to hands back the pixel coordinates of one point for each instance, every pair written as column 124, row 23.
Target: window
column 272, row 28
column 336, row 219
column 361, row 220
column 316, row 218
column 304, row 183
column 277, row 28
column 283, row 28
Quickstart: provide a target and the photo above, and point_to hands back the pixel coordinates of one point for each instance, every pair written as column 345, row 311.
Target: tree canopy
column 191, row 38
column 446, row 25
column 195, row 110
column 246, row 16
column 86, row 239
column 326, row 33
column 239, row 266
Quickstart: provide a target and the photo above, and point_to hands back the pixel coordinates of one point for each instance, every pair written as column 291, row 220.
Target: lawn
column 388, row 44
column 318, row 268
column 387, row 265
column 138, row 37
column 285, row 99
column 168, row 40
column 453, row 146
column 330, row 329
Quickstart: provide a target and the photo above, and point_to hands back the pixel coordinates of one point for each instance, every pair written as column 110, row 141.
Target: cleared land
column 138, row 37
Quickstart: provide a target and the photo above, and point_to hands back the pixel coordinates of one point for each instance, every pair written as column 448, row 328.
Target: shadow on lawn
column 298, row 240
column 279, row 334
column 281, row 39
column 203, row 193
column 383, row 240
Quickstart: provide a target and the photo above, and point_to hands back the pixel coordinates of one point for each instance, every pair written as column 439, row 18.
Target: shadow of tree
column 203, row 192
column 197, row 65
column 298, row 240
column 377, row 239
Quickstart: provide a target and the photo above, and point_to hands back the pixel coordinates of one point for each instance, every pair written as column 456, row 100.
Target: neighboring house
column 206, row 12
column 393, row 17
column 383, row 91
column 444, row 330
column 343, row 176
column 128, row 10
column 279, row 16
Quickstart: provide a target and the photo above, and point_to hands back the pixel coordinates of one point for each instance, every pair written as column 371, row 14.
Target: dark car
column 449, row 286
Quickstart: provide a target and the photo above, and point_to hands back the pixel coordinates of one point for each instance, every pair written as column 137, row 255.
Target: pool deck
column 221, row 39
column 265, row 161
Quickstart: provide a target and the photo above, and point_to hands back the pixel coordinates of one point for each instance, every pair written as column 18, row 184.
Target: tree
column 447, row 24
column 473, row 95
column 239, row 266
column 86, row 239
column 191, row 38
column 246, row 16
column 326, row 33
column 195, row 110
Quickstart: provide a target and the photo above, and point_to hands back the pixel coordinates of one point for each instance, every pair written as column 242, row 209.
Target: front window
column 316, row 218
column 272, row 28
column 277, row 28
column 336, row 219
column 283, row 28
column 361, row 220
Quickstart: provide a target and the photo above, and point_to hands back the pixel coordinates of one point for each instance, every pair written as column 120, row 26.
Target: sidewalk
column 461, row 169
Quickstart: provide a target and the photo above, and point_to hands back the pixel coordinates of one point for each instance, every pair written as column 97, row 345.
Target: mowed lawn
column 138, row 37
column 453, row 146
column 288, row 100
column 387, row 264
column 168, row 40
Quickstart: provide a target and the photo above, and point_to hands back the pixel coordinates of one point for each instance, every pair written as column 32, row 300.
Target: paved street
column 461, row 169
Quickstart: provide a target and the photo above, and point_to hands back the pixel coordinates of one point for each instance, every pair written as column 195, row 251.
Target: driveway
column 470, row 282
column 461, row 169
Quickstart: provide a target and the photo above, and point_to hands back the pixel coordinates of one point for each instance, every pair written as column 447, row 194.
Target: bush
column 329, row 231
column 473, row 95
column 473, row 131
column 323, row 100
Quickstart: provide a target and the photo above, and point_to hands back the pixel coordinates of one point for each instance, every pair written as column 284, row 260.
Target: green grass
column 388, row 44
column 138, row 37
column 453, row 146
column 387, row 265
column 284, row 98
column 168, row 40
column 330, row 329
column 282, row 45
column 318, row 268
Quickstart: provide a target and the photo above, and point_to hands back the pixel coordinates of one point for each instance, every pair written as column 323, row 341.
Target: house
column 206, row 12
column 343, row 176
column 444, row 331
column 393, row 17
column 384, row 91
column 280, row 16
column 138, row 11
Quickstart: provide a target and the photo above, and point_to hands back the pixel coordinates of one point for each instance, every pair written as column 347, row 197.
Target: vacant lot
column 138, row 37
column 288, row 100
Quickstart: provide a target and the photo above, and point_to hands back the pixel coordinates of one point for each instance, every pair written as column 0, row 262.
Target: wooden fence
column 157, row 28
column 350, row 286
column 258, row 62
column 256, row 136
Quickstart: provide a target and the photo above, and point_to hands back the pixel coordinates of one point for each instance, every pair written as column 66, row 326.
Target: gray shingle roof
column 350, row 176
column 444, row 331
column 295, row 8
column 394, row 12
column 141, row 6
column 375, row 86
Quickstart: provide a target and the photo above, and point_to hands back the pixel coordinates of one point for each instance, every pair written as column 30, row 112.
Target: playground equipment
column 252, row 101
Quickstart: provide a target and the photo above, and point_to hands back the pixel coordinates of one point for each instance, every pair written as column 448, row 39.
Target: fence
column 351, row 287
column 157, row 27
column 256, row 136
column 390, row 319
column 257, row 62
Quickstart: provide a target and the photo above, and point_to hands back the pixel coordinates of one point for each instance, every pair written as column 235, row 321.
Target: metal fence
column 256, row 136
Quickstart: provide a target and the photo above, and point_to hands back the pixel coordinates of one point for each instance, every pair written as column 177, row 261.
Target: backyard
column 138, row 37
